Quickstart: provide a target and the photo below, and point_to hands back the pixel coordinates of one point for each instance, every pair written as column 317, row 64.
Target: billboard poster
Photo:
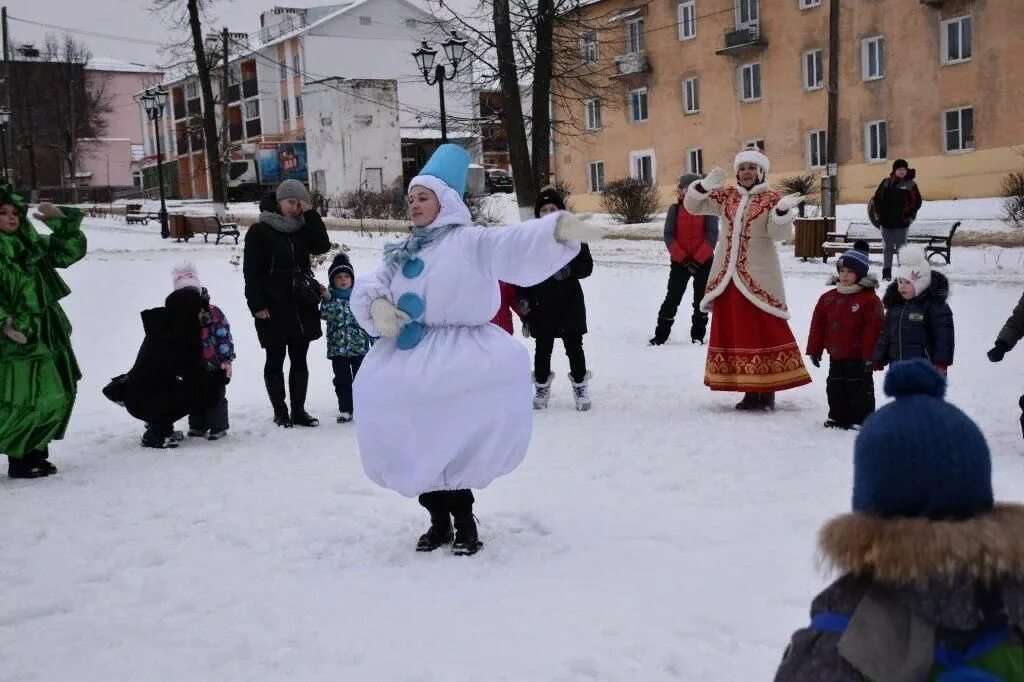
column 283, row 161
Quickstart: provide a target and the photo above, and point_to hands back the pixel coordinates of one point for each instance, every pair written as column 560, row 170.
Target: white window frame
column 284, row 109
column 691, row 96
column 866, row 45
column 881, row 130
column 191, row 90
column 686, row 13
column 758, row 142
column 592, row 113
column 588, row 47
column 960, row 129
column 751, row 68
column 695, row 154
column 813, row 61
column 816, row 142
column 249, row 105
column 645, row 106
column 592, row 167
column 635, row 39
column 635, row 156
column 808, row 4
column 944, row 39
column 754, row 17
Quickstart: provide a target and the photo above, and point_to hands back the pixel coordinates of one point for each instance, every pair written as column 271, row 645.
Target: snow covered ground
column 661, row 536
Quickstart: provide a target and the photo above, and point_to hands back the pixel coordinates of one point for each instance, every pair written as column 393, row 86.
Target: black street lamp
column 5, row 119
column 153, row 101
column 454, row 48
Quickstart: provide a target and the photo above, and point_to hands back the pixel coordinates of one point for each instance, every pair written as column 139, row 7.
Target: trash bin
column 177, row 226
column 811, row 233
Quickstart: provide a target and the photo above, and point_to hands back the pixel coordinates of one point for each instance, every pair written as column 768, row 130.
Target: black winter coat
column 896, row 202
column 168, row 382
column 272, row 261
column 555, row 308
column 919, row 328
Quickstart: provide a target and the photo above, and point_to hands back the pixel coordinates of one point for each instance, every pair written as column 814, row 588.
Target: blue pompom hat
column 450, row 165
column 920, row 456
column 856, row 261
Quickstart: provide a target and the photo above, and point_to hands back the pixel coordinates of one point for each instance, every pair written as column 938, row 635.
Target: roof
column 119, row 66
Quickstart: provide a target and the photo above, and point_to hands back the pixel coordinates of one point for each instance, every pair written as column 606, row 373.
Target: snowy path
column 662, row 536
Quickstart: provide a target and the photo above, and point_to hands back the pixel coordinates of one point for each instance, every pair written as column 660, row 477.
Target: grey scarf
column 399, row 253
column 281, row 223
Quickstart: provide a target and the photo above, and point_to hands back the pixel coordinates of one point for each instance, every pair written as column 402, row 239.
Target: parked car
column 498, row 180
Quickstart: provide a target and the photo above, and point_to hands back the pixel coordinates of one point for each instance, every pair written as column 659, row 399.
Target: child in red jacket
column 846, row 323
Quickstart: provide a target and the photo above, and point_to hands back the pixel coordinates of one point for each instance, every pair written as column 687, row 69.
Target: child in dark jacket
column 846, row 322
column 1009, row 335
column 218, row 351
column 918, row 321
column 933, row 569
column 347, row 342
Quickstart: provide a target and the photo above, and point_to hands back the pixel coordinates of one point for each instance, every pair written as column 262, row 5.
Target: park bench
column 210, row 225
column 936, row 236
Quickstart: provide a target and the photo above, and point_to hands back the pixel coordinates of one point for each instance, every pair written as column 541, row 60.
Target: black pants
column 678, row 277
column 214, row 418
column 455, row 502
column 851, row 392
column 298, row 373
column 573, row 350
column 345, row 370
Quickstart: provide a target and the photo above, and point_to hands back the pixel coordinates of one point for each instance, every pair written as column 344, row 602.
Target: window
column 595, row 176
column 695, row 160
column 958, row 126
column 687, row 20
column 252, row 109
column 876, row 142
column 754, row 143
column 296, row 64
column 284, row 70
column 813, row 68
column 635, row 36
column 807, row 4
column 750, row 82
column 298, row 106
column 191, row 90
column 365, row 21
column 638, row 105
column 747, row 13
column 691, row 96
column 593, row 114
column 872, row 58
column 588, row 46
column 373, row 179
column 816, row 149
column 284, row 109
column 642, row 165
column 234, row 74
column 956, row 40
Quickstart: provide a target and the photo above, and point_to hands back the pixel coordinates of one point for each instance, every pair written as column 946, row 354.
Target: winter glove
column 571, row 229
column 815, row 360
column 47, row 211
column 526, row 330
column 387, row 317
column 998, row 351
column 13, row 334
column 714, row 180
column 789, row 202
column 226, row 366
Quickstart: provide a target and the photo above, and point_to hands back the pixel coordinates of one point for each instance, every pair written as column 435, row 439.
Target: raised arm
column 524, row 254
column 67, row 244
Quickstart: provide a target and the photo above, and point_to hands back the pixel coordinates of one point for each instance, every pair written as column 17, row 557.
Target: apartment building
column 933, row 81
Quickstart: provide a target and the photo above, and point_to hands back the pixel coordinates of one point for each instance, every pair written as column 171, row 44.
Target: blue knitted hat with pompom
column 919, row 455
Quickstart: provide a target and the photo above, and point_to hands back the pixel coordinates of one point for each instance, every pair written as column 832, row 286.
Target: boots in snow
column 542, row 392
column 153, row 439
column 297, row 383
column 768, row 401
column 886, row 274
column 216, row 435
column 749, row 403
column 439, row 533
column 198, row 433
column 344, row 417
column 662, row 331
column 580, row 392
column 275, row 390
column 698, row 328
column 33, row 465
column 467, row 541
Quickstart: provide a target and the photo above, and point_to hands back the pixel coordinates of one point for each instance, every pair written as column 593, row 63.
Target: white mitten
column 714, row 180
column 47, row 211
column 387, row 317
column 572, row 229
column 13, row 334
column 789, row 202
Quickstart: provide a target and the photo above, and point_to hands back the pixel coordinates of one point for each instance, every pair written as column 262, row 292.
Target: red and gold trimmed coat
column 745, row 254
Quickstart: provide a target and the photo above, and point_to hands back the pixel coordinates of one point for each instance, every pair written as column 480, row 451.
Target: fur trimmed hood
column 866, row 282
column 937, row 292
column 901, row 551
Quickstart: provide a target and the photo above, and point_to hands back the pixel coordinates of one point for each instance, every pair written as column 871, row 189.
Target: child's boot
column 542, row 392
column 580, row 392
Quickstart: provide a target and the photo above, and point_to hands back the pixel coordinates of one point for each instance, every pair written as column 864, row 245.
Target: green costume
column 38, row 380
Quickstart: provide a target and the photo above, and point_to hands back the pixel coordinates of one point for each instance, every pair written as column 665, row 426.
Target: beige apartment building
column 937, row 82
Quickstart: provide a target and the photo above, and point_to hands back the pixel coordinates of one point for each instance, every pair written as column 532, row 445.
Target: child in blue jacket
column 347, row 342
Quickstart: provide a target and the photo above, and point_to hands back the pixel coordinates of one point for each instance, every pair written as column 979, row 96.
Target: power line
column 94, row 34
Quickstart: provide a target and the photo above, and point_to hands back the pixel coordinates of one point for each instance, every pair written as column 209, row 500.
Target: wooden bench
column 139, row 217
column 210, row 225
column 936, row 236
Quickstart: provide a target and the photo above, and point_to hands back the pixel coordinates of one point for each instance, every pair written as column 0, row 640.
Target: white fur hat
column 914, row 268
column 185, row 276
column 752, row 155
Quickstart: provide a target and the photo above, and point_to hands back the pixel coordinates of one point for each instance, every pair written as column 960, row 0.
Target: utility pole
column 832, row 180
column 74, row 144
column 7, row 79
column 224, row 130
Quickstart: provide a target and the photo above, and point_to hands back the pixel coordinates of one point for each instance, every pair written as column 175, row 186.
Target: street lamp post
column 5, row 119
column 454, row 47
column 153, row 101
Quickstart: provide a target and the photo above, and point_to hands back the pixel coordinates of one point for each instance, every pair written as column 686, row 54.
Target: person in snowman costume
column 443, row 400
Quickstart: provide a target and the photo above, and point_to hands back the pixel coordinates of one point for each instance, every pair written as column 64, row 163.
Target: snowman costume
column 446, row 405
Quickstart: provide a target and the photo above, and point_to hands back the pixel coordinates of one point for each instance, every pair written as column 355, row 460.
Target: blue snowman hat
column 450, row 165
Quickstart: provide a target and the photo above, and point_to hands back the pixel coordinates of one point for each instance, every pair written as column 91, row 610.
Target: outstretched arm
column 524, row 254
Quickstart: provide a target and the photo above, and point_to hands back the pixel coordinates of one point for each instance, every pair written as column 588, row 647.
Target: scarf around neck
column 281, row 223
column 399, row 253
column 343, row 294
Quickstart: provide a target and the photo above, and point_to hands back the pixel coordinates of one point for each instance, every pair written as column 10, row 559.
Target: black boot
column 440, row 531
column 160, row 437
column 467, row 541
column 297, row 383
column 886, row 274
column 275, row 391
column 768, row 401
column 32, row 465
column 750, row 402
column 662, row 331
column 698, row 328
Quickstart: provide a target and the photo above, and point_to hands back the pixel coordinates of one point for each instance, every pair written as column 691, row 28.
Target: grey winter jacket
column 1013, row 330
column 710, row 226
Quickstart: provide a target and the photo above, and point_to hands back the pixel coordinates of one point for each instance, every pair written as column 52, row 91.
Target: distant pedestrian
column 893, row 208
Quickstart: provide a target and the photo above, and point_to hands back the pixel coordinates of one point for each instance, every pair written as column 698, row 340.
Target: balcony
column 745, row 39
column 632, row 63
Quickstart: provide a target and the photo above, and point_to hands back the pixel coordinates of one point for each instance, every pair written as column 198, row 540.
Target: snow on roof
column 119, row 66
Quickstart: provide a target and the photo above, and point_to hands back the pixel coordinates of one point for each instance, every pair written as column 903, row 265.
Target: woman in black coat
column 169, row 379
column 283, row 295
column 555, row 309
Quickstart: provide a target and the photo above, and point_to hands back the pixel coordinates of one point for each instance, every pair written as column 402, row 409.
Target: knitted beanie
column 854, row 260
column 548, row 195
column 292, row 189
column 186, row 276
column 914, row 268
column 920, row 456
column 341, row 263
column 688, row 179
column 900, row 163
